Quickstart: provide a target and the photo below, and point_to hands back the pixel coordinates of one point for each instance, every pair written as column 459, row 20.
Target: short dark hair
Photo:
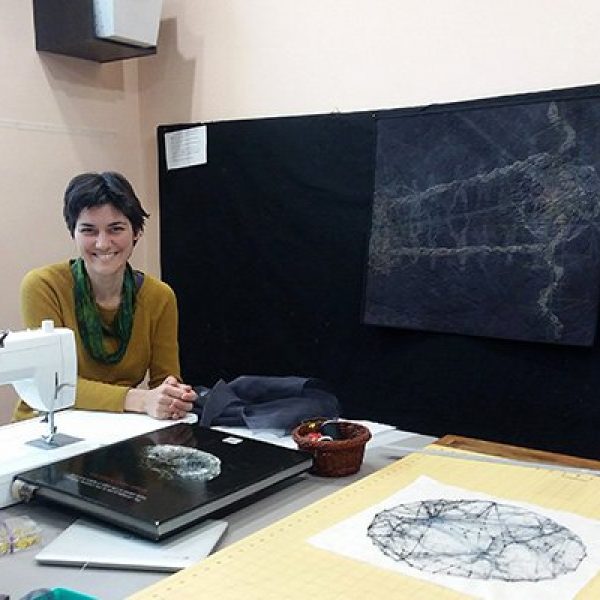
column 96, row 189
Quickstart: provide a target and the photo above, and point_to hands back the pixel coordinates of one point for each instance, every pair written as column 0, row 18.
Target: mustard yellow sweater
column 47, row 293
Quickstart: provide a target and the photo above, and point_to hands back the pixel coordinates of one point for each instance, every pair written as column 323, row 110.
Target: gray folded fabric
column 262, row 402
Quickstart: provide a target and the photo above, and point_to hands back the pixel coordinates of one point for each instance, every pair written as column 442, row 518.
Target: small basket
column 334, row 458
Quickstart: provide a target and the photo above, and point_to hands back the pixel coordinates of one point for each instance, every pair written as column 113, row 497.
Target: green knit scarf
column 91, row 327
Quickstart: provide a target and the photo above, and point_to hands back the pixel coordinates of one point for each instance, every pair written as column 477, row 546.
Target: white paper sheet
column 280, row 438
column 349, row 538
column 186, row 147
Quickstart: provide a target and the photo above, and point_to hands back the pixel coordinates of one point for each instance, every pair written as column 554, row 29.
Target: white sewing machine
column 41, row 364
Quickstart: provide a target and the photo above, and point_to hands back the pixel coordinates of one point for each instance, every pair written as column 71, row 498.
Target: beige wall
column 240, row 58
column 58, row 116
column 234, row 59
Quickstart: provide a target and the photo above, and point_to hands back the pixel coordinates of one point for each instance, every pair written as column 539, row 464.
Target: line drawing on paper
column 476, row 539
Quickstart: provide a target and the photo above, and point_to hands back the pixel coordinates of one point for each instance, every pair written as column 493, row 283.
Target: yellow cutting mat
column 277, row 563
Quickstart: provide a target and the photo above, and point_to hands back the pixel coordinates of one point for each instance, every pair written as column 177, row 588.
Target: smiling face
column 105, row 239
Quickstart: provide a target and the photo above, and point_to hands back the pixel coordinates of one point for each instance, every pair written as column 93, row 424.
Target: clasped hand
column 170, row 400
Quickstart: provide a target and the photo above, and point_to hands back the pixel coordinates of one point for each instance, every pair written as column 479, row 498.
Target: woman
column 125, row 322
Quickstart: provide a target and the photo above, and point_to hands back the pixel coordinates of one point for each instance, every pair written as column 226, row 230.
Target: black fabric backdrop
column 266, row 248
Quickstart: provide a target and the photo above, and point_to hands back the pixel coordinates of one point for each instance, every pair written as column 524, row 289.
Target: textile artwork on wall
column 486, row 222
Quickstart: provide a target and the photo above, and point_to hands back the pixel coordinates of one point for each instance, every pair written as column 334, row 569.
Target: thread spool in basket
column 334, row 458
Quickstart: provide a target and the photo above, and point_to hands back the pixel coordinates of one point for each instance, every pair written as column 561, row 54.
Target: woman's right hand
column 169, row 400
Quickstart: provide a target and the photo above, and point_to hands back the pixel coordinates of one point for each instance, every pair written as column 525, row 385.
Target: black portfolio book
column 157, row 483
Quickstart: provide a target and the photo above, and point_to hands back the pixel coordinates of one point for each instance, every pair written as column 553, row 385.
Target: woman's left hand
column 169, row 400
column 183, row 401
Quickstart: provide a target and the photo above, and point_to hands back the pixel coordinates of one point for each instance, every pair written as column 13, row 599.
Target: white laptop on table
column 92, row 544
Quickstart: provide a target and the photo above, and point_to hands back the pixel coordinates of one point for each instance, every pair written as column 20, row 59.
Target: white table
column 20, row 573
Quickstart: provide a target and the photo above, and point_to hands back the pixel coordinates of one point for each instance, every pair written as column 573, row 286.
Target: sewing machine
column 41, row 364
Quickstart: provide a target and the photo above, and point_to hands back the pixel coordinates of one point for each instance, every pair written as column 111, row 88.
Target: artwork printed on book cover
column 486, row 222
column 157, row 476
